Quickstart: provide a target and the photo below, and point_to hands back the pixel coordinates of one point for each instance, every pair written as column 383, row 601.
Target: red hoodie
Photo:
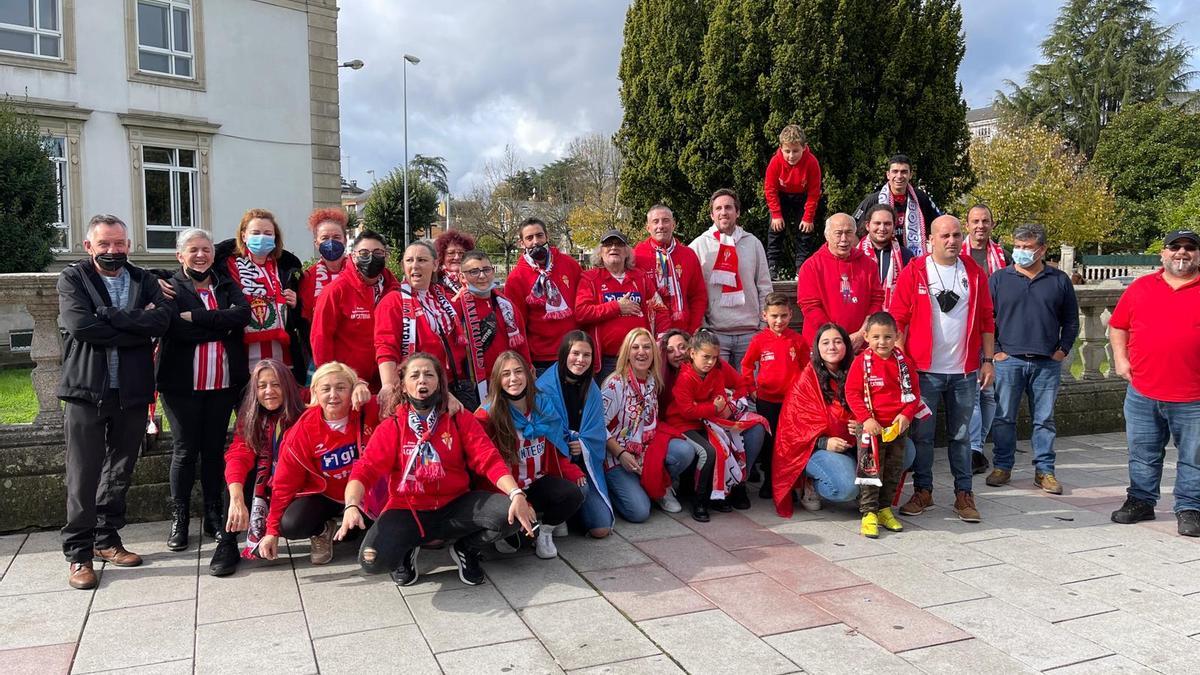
column 779, row 358
column 802, row 178
column 343, row 327
column 691, row 286
column 313, row 282
column 885, row 390
column 462, row 448
column 822, row 298
column 389, row 334
column 544, row 334
column 539, row 456
column 499, row 344
column 692, row 396
column 913, row 310
column 315, row 459
column 597, row 308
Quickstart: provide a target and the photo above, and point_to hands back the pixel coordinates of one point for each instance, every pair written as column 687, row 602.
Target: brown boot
column 921, row 499
column 1047, row 482
column 964, row 506
column 321, row 551
column 82, row 576
column 998, row 477
column 117, row 555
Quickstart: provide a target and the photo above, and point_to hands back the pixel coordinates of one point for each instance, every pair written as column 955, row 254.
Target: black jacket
column 928, row 209
column 94, row 326
column 177, row 352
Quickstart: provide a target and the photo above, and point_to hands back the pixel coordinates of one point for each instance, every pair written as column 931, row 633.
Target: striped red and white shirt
column 210, row 364
column 530, row 460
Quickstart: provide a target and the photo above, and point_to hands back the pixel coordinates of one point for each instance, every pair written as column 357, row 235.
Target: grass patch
column 18, row 403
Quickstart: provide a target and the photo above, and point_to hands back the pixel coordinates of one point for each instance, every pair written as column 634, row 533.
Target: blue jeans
column 680, row 455
column 958, row 392
column 833, row 473
column 594, row 513
column 734, row 346
column 983, row 416
column 1039, row 379
column 753, row 439
column 1148, row 426
column 629, row 498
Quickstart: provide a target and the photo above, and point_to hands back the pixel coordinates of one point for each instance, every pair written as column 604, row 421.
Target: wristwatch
column 988, row 359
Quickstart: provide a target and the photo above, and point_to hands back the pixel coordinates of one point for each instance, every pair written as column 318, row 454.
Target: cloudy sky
column 534, row 74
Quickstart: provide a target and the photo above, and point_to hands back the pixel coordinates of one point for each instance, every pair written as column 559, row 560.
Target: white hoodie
column 754, row 272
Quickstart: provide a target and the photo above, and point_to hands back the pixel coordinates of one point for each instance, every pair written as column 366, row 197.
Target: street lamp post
column 408, row 58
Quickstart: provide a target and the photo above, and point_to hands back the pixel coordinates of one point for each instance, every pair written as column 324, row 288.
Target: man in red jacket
column 944, row 311
column 542, row 288
column 676, row 272
column 839, row 283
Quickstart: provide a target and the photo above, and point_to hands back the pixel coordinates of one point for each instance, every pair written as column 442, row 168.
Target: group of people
column 440, row 410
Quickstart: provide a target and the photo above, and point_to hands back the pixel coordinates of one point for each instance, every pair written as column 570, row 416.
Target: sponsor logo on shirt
column 336, row 463
column 360, row 314
column 875, row 381
column 768, row 356
column 531, row 450
column 609, row 296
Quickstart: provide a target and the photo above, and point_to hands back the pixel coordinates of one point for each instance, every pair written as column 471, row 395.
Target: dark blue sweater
column 1034, row 316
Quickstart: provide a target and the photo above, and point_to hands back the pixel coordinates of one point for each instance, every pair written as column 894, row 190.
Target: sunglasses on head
column 1190, row 248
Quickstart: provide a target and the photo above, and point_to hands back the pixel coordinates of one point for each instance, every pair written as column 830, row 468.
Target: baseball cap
column 614, row 234
column 1182, row 234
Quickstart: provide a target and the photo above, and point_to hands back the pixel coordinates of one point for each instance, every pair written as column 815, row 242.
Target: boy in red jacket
column 793, row 190
column 883, row 393
column 777, row 353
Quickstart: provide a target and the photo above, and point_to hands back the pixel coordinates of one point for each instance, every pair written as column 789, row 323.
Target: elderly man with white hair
column 839, row 283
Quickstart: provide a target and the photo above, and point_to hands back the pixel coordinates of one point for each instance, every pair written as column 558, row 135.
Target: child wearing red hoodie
column 792, row 188
column 775, row 357
column 884, row 395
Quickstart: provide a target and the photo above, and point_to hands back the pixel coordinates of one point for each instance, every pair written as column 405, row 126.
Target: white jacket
column 754, row 272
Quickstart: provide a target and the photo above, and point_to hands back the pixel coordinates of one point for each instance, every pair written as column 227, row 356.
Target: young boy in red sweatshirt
column 775, row 357
column 883, row 393
column 793, row 191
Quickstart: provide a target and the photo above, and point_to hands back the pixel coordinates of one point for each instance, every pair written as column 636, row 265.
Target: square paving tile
column 470, row 617
column 732, row 531
column 938, row 550
column 271, row 585
column 1146, row 601
column 1162, row 573
column 1144, row 642
column 831, row 540
column 586, row 554
column 1109, row 665
column 650, row 665
column 693, row 558
column 1052, row 565
column 712, row 643
column 43, row 619
column 523, row 656
column 1036, row 643
column 161, row 578
column 799, row 569
column 350, row 602
column 908, row 578
column 38, row 568
column 281, row 640
column 659, row 526
column 894, row 624
column 401, row 649
column 587, row 632
column 529, row 580
column 168, row 631
column 1032, row 593
column 762, row 605
column 837, row 650
column 646, row 591
column 46, row 660
column 967, row 656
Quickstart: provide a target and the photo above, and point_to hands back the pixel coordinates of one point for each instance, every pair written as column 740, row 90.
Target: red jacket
column 239, row 458
column 315, row 459
column 913, row 310
column 460, row 444
column 343, row 327
column 691, row 285
column 544, row 334
column 803, row 178
column 550, row 462
column 692, row 396
column 597, row 308
column 309, row 293
column 389, row 333
column 779, row 358
column 804, row 419
column 820, row 296
column 885, row 390
column 499, row 344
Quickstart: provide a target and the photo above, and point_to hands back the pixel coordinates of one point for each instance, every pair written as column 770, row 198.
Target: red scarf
column 725, row 269
column 667, row 278
column 434, row 307
column 725, row 435
column 503, row 309
column 262, row 288
column 264, row 464
column 995, row 256
column 544, row 292
column 889, row 283
column 322, row 275
column 453, row 281
column 868, row 451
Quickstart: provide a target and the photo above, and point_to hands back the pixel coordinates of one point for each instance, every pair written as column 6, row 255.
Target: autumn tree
column 1030, row 174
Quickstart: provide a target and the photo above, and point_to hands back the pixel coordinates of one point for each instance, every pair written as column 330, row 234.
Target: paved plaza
column 1043, row 584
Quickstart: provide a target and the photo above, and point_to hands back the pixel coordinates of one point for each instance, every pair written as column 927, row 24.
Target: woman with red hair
column 451, row 245
column 330, row 238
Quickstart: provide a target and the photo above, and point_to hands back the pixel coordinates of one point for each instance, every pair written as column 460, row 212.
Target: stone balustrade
column 37, row 293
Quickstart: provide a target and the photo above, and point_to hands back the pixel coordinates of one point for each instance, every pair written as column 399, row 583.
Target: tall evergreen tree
column 1100, row 56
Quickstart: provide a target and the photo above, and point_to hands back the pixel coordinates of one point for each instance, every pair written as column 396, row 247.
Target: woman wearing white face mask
column 491, row 323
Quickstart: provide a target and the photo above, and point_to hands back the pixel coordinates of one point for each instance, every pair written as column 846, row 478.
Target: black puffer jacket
column 94, row 326
column 178, row 350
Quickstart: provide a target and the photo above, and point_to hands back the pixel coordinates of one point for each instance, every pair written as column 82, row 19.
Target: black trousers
column 555, row 499
column 306, row 516
column 476, row 518
column 806, row 243
column 770, row 411
column 102, row 448
column 199, row 423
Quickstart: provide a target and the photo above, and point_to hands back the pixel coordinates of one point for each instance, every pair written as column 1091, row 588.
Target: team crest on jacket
column 447, row 439
column 566, row 281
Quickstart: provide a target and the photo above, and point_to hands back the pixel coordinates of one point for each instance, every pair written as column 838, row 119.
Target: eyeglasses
column 479, row 272
column 367, row 254
column 1190, row 248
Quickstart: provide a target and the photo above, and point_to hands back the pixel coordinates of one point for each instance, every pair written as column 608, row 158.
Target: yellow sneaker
column 870, row 526
column 889, row 521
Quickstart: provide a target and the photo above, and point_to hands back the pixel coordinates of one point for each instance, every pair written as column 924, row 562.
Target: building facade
column 179, row 113
column 983, row 122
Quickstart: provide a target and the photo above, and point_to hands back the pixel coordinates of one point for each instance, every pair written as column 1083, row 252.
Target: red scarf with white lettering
column 893, row 272
column 262, row 288
column 434, row 307
column 725, row 268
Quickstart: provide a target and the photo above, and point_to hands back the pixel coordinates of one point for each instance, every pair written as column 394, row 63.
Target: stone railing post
column 37, row 293
column 1095, row 340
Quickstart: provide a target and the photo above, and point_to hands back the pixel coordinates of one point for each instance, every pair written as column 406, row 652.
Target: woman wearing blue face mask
column 490, row 321
column 330, row 239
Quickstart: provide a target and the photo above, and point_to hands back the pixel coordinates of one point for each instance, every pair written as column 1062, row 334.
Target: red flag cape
column 804, row 418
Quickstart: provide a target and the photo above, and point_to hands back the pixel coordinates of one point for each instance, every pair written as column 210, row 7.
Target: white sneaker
column 669, row 503
column 502, row 546
column 560, row 530
column 545, row 548
column 810, row 501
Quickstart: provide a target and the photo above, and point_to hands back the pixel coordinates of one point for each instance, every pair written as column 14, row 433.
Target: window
column 32, row 28
column 169, row 178
column 164, row 37
column 56, row 147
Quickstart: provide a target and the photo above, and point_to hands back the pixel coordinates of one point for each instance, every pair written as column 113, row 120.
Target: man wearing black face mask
column 542, row 287
column 112, row 311
column 343, row 326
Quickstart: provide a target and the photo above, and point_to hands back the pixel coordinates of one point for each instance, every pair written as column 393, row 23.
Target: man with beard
column 914, row 209
column 676, row 272
column 542, row 288
column 881, row 246
column 1153, row 332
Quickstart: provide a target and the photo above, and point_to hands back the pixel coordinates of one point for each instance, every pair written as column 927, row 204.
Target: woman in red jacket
column 270, row 406
column 522, row 424
column 315, row 459
column 614, row 298
column 428, row 454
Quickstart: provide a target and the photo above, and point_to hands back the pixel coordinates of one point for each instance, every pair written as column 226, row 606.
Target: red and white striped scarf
column 544, row 292
column 725, row 435
column 436, row 309
column 210, row 367
column 322, row 276
column 725, row 268
column 667, row 279
column 476, row 343
column 263, row 289
column 995, row 256
column 893, row 272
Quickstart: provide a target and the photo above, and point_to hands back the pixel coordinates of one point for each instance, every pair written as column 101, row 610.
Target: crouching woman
column 426, row 453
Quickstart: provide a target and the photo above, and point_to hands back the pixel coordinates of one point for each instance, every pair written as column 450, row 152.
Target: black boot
column 700, row 509
column 214, row 519
column 226, row 558
column 739, row 498
column 178, row 539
